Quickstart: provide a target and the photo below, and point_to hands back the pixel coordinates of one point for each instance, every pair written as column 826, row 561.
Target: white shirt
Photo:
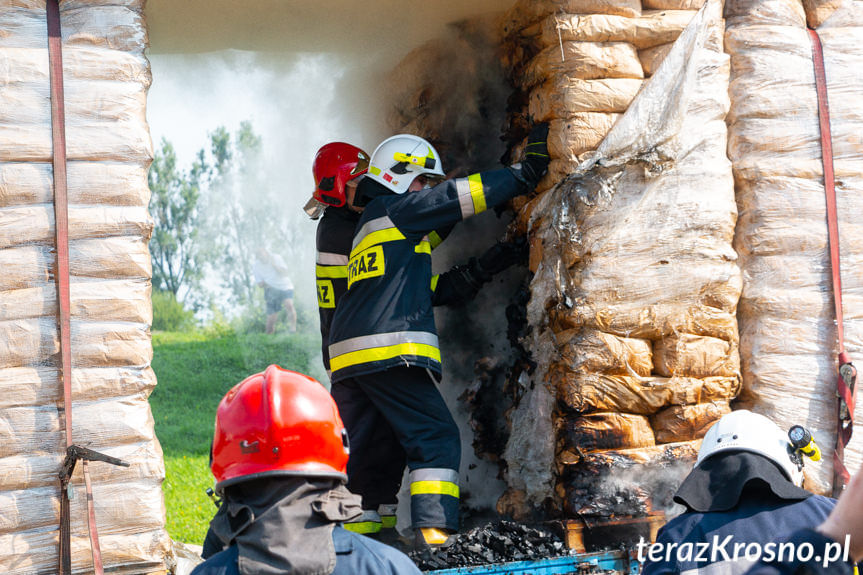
column 272, row 273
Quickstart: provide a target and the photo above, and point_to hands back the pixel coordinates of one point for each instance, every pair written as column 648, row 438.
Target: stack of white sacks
column 581, row 62
column 634, row 300
column 109, row 150
column 787, row 332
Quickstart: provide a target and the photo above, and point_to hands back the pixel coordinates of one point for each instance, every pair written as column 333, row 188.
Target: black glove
column 500, row 256
column 462, row 283
column 457, row 286
column 536, row 158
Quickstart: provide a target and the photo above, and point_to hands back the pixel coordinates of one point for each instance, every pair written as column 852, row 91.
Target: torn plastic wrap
column 787, row 327
column 636, row 289
column 577, row 65
column 106, row 78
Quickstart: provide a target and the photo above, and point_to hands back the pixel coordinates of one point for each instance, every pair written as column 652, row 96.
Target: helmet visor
column 361, row 167
column 314, row 209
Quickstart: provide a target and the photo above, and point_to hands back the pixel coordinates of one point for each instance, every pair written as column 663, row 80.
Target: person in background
column 271, row 273
column 279, row 458
column 745, row 490
column 337, row 169
column 842, row 530
column 383, row 353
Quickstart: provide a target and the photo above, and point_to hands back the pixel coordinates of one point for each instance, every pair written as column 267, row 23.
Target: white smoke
column 315, row 76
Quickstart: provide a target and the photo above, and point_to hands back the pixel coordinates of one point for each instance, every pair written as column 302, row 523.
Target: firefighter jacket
column 802, row 563
column 716, row 542
column 736, row 502
column 355, row 555
column 333, row 241
column 385, row 319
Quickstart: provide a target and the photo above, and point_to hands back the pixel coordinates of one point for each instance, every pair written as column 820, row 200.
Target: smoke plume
column 305, row 75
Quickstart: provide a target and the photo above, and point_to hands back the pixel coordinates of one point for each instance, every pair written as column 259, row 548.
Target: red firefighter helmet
column 335, row 165
column 278, row 422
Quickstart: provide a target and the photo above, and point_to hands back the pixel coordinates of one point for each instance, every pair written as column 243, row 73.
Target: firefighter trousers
column 395, row 417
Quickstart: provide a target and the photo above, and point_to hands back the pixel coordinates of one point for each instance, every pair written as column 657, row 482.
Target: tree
column 210, row 220
column 244, row 211
column 174, row 206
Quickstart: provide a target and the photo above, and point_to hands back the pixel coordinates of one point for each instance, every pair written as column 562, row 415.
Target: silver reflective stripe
column 368, row 515
column 465, row 200
column 732, row 567
column 434, row 474
column 328, row 259
column 374, row 225
column 382, row 340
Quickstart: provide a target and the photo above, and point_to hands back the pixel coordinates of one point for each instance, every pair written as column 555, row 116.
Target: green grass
column 194, row 371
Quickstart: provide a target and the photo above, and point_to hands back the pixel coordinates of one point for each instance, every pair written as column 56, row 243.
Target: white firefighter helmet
column 398, row 160
column 743, row 430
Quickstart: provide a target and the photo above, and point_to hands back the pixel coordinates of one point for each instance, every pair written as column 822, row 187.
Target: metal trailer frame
column 619, row 561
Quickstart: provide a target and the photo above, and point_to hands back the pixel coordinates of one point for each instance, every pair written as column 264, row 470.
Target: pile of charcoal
column 498, row 542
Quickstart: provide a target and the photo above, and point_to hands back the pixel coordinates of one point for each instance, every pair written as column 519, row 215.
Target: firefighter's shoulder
column 360, row 555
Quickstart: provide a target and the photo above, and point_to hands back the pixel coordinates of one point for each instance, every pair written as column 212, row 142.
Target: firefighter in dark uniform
column 337, row 169
column 279, row 458
column 843, row 529
column 743, row 493
column 384, row 356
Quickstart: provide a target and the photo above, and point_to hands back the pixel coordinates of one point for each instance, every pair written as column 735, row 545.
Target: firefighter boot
column 388, row 533
column 427, row 538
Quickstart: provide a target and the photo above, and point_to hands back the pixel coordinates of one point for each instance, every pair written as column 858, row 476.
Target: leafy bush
column 169, row 314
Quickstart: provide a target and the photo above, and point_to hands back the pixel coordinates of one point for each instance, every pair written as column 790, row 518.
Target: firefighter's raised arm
column 405, row 166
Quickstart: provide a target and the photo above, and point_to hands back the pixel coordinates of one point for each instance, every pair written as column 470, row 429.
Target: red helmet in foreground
column 335, row 165
column 278, row 422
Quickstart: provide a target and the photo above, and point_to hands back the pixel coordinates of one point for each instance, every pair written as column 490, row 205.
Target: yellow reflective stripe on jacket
column 477, row 193
column 382, row 340
column 374, row 232
column 434, row 281
column 388, row 521
column 384, row 352
column 424, row 247
column 326, row 294
column 378, row 237
column 471, row 195
column 434, row 488
column 332, row 272
column 363, row 527
column 435, row 239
